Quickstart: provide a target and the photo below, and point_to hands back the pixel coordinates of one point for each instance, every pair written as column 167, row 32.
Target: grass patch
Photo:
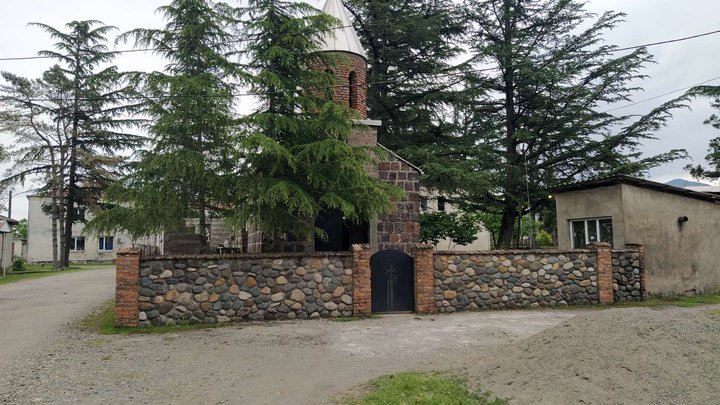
column 36, row 271
column 714, row 312
column 102, row 321
column 419, row 388
column 685, row 301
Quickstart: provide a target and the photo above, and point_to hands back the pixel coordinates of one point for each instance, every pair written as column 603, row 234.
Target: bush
column 544, row 239
column 18, row 264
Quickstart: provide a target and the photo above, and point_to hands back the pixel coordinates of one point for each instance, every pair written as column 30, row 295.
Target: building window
column 352, row 88
column 79, row 214
column 105, row 243
column 77, row 243
column 423, row 204
column 441, row 203
column 591, row 230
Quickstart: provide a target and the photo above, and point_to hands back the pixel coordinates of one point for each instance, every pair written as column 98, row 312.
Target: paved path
column 33, row 311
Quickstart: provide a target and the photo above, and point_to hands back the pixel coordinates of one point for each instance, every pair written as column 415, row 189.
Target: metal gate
column 391, row 281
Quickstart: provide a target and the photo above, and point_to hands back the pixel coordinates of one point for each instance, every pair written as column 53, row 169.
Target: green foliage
column 544, row 239
column 187, row 171
column 460, row 228
column 539, row 116
column 18, row 264
column 713, row 156
column 295, row 160
column 70, row 124
column 405, row 53
column 420, row 388
column 21, row 229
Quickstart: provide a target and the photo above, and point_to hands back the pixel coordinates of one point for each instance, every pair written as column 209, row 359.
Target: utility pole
column 10, row 204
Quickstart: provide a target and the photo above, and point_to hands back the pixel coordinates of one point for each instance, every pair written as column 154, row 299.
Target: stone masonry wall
column 514, row 279
column 627, row 281
column 216, row 288
column 400, row 229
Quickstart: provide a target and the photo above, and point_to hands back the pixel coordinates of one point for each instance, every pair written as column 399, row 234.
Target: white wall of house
column 92, row 248
column 19, row 248
column 483, row 239
column 5, row 251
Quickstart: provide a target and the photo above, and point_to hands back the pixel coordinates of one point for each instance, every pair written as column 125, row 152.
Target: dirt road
column 610, row 356
column 298, row 362
column 33, row 311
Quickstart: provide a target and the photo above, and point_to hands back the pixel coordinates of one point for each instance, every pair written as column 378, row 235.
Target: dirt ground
column 613, row 356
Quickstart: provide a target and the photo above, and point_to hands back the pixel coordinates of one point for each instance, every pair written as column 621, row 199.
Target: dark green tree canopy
column 296, row 162
column 532, row 114
column 185, row 172
column 713, row 156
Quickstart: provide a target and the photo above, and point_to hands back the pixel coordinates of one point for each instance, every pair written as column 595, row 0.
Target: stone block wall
column 224, row 288
column 401, row 229
column 514, row 279
column 627, row 275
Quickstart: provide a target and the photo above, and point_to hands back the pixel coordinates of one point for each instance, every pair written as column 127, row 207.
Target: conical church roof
column 344, row 38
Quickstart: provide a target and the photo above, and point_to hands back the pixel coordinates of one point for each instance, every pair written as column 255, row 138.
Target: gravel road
column 294, row 362
column 33, row 311
column 612, row 356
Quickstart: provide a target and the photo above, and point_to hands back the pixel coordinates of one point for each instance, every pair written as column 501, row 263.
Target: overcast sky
column 678, row 65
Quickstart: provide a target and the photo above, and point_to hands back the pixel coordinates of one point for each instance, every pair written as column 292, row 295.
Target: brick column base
column 362, row 304
column 424, row 279
column 603, row 265
column 127, row 286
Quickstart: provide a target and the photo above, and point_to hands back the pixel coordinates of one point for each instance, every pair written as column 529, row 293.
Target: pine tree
column 187, row 170
column 533, row 114
column 39, row 151
column 410, row 47
column 713, row 156
column 94, row 116
column 296, row 162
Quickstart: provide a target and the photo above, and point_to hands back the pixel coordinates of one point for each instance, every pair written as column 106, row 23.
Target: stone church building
column 399, row 230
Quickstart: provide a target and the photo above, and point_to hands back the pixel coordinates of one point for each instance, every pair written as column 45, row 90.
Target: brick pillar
column 424, row 279
column 127, row 286
column 603, row 265
column 362, row 304
column 643, row 274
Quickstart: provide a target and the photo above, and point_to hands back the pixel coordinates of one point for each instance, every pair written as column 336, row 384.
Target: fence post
column 127, row 286
column 362, row 304
column 603, row 265
column 643, row 273
column 424, row 279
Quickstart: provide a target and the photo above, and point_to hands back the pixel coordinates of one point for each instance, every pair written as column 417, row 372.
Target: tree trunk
column 54, row 230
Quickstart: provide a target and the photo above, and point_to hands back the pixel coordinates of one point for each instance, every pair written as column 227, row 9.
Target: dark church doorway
column 341, row 234
column 391, row 282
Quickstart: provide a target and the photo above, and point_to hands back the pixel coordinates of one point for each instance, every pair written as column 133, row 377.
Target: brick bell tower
column 350, row 71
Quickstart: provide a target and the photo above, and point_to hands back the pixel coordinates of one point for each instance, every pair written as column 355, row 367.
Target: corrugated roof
column 344, row 38
column 637, row 182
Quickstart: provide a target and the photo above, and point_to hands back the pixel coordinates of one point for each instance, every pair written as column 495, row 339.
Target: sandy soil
column 617, row 356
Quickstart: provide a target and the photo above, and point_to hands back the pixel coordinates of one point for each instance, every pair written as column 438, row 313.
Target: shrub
column 18, row 264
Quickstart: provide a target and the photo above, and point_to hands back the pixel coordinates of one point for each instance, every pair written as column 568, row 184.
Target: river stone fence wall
column 169, row 290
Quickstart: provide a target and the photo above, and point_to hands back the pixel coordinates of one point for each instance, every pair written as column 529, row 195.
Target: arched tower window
column 352, row 90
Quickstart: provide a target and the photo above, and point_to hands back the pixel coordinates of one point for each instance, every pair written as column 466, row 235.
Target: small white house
column 430, row 202
column 6, row 243
column 84, row 248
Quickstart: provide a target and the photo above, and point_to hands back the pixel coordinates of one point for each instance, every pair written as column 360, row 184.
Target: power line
column 669, row 41
column 661, row 95
column 135, row 50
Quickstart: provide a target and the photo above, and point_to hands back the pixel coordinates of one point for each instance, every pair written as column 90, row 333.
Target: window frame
column 102, row 243
column 74, row 245
column 587, row 230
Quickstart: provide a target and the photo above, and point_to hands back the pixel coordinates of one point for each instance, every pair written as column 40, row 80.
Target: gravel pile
column 618, row 356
